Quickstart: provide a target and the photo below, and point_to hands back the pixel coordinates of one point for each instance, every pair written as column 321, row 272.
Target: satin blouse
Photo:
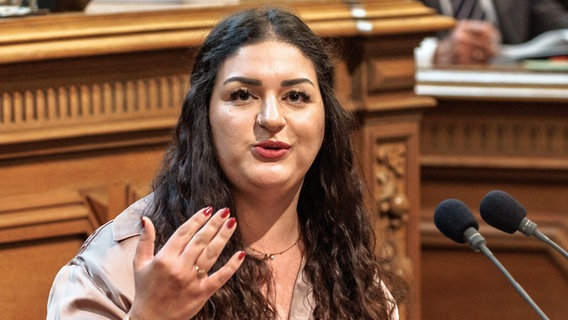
column 98, row 283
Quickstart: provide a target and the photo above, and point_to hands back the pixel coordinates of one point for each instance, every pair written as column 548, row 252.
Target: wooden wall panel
column 507, row 136
column 41, row 230
column 389, row 157
column 388, row 140
column 473, row 288
column 28, row 269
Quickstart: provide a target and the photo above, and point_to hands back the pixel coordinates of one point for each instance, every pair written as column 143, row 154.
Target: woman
column 263, row 139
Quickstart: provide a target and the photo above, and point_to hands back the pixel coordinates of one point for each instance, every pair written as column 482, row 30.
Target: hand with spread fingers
column 176, row 278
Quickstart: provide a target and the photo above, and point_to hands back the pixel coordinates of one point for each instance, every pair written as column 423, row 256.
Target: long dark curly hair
column 340, row 265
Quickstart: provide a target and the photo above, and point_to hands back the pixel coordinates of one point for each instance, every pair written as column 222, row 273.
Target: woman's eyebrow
column 292, row 82
column 249, row 81
column 255, row 82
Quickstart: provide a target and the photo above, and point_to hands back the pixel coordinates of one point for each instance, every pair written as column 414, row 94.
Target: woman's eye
column 298, row 96
column 240, row 95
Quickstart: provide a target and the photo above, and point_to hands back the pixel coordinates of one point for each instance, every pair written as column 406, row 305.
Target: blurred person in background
column 482, row 26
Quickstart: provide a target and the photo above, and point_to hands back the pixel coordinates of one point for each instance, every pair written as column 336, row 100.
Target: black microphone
column 502, row 211
column 456, row 221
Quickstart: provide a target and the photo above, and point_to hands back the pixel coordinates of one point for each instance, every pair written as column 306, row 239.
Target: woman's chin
column 271, row 181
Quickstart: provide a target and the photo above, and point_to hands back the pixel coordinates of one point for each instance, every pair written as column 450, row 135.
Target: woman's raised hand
column 174, row 284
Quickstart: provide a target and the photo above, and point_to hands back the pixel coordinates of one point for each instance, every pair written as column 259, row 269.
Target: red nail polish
column 225, row 213
column 208, row 211
column 242, row 255
column 142, row 222
column 231, row 223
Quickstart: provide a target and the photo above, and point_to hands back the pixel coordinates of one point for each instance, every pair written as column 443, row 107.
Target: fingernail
column 242, row 255
column 142, row 222
column 231, row 223
column 225, row 213
column 208, row 211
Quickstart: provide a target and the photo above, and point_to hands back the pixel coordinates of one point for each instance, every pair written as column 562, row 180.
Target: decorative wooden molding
column 36, row 216
column 505, row 84
column 86, row 109
column 392, row 73
column 63, row 212
column 76, row 34
column 389, row 173
column 120, row 113
column 383, row 75
column 488, row 119
column 498, row 141
column 387, row 143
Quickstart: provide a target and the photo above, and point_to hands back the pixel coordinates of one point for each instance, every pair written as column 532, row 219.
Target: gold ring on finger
column 200, row 272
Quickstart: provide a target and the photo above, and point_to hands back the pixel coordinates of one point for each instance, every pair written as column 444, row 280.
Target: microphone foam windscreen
column 502, row 211
column 452, row 217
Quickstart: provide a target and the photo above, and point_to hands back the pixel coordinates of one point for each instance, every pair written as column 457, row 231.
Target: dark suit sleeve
column 435, row 4
column 522, row 20
column 547, row 15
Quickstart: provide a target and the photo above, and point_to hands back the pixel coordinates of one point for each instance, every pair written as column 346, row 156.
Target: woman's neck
column 268, row 224
column 270, row 230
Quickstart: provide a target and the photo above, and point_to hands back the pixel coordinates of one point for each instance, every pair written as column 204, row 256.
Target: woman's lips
column 271, row 149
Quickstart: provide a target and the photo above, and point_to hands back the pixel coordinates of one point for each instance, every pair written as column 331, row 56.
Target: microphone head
column 452, row 217
column 502, row 211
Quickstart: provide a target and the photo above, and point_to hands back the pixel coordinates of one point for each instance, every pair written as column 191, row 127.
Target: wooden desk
column 501, row 129
column 87, row 103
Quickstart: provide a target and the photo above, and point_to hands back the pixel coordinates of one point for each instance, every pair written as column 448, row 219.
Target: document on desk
column 551, row 64
column 552, row 43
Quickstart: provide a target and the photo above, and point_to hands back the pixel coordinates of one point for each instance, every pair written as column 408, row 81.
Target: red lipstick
column 271, row 149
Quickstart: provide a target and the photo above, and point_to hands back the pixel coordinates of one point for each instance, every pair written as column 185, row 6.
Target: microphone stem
column 541, row 236
column 483, row 248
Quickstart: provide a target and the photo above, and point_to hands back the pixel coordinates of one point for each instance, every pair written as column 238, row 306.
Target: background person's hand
column 174, row 283
column 470, row 42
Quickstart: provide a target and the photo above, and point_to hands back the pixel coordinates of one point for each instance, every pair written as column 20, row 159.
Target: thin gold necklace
column 265, row 256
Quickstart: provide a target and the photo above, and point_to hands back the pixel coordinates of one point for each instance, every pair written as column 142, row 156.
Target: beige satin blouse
column 98, row 283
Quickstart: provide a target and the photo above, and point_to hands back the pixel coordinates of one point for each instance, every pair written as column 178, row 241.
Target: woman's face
column 275, row 81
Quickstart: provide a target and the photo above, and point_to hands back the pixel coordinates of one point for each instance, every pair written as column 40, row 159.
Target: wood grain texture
column 88, row 103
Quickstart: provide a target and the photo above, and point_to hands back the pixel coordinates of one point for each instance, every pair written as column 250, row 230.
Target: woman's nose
column 270, row 116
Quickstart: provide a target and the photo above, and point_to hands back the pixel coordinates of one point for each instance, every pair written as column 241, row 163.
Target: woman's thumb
column 145, row 249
